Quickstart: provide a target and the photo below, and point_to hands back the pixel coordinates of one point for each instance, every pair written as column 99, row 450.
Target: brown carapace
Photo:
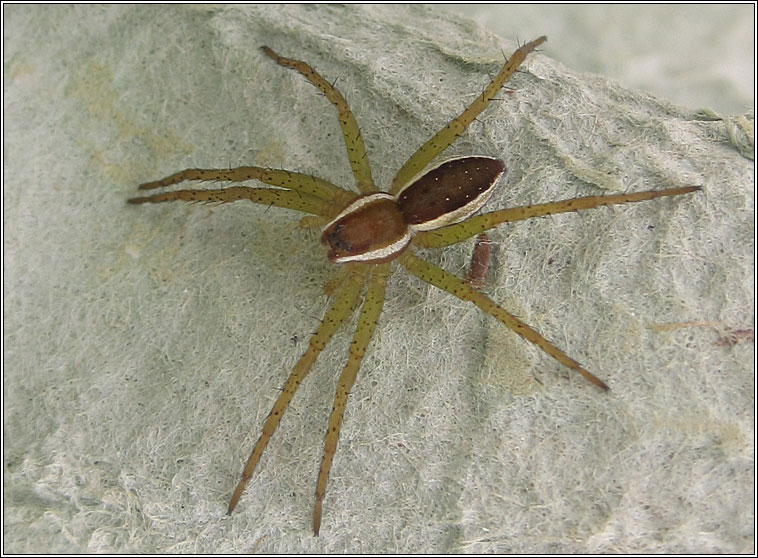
column 367, row 232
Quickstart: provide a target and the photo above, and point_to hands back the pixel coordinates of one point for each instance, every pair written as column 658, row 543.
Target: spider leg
column 475, row 225
column 372, row 308
column 442, row 139
column 295, row 181
column 458, row 287
column 264, row 196
column 342, row 308
column 356, row 149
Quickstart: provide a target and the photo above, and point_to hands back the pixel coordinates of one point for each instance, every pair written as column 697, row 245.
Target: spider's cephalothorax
column 369, row 230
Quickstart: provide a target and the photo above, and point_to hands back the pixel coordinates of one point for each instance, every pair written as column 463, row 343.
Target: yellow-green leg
column 372, row 308
column 458, row 287
column 264, row 196
column 295, row 181
column 342, row 308
column 442, row 139
column 475, row 225
column 356, row 149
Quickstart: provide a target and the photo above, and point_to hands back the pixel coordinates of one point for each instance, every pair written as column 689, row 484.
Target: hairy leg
column 372, row 309
column 475, row 225
column 295, row 181
column 342, row 308
column 356, row 149
column 263, row 196
column 458, row 287
column 447, row 135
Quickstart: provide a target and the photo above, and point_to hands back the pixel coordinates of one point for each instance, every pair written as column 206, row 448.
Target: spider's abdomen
column 371, row 230
column 450, row 192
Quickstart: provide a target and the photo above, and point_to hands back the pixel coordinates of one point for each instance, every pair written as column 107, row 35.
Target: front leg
column 295, row 181
column 263, row 196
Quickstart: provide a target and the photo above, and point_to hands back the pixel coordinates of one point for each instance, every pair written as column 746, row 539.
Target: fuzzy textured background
column 143, row 346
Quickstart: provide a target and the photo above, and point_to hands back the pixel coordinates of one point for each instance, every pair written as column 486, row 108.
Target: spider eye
column 449, row 192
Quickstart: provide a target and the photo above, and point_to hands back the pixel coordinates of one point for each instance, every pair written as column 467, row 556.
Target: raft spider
column 367, row 231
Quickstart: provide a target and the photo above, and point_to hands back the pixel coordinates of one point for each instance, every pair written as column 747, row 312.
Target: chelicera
column 367, row 233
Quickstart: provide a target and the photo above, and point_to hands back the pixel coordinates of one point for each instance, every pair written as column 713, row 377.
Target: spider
column 426, row 206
